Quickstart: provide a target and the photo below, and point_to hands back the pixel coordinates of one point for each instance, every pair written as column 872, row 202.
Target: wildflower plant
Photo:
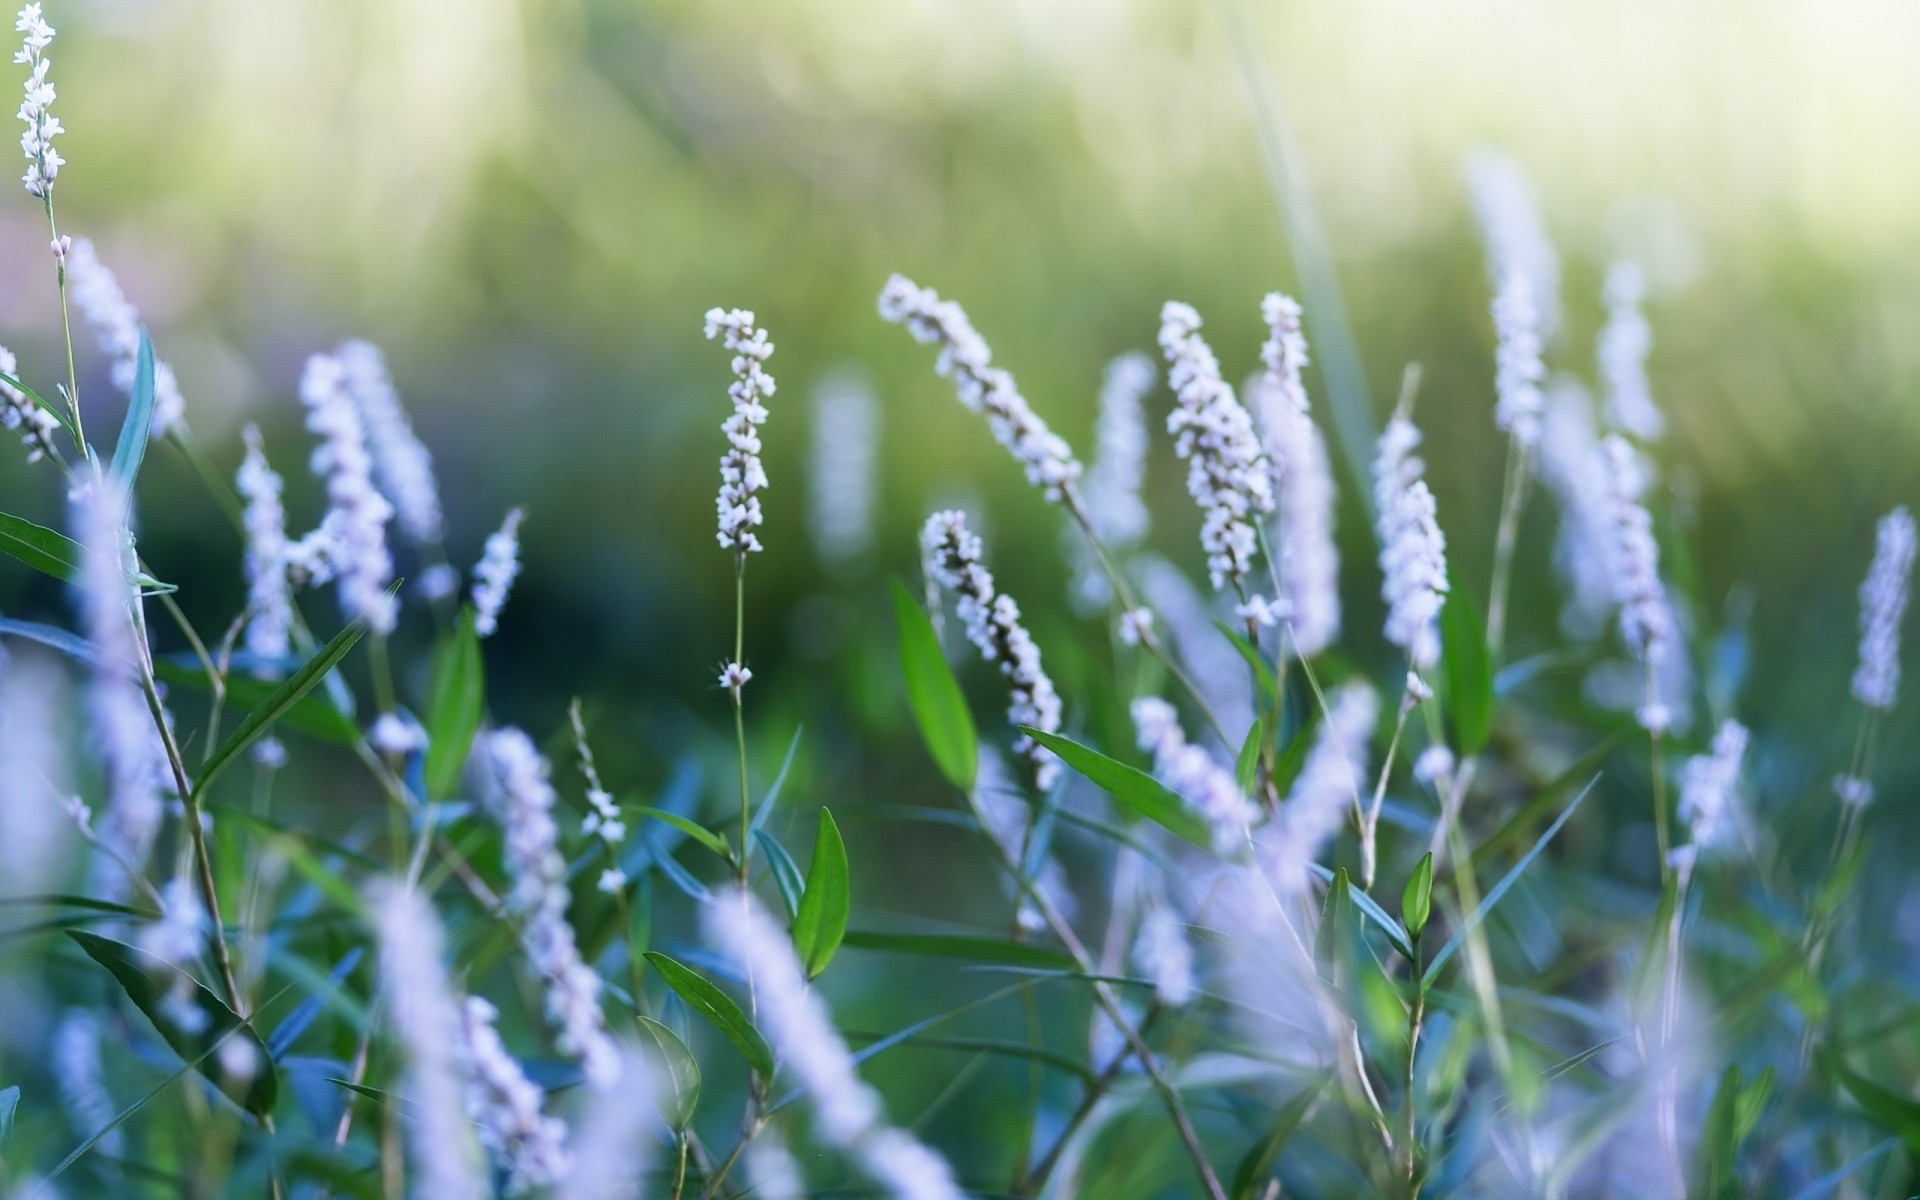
column 1287, row 901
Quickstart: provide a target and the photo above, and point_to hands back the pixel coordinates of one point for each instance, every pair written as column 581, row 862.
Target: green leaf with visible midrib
column 43, row 549
column 313, row 715
column 456, row 701
column 131, row 450
column 938, row 706
column 1137, row 791
column 716, row 1006
column 821, row 920
column 961, row 945
column 149, row 981
column 275, row 706
column 683, row 1071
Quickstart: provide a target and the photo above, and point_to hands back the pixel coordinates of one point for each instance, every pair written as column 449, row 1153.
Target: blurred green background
column 530, row 203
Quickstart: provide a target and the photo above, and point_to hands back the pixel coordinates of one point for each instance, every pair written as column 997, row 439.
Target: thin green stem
column 739, row 714
column 1416, row 1019
column 1512, row 498
column 66, row 331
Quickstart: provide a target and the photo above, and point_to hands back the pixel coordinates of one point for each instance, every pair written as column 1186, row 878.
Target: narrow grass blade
column 1136, row 791
column 276, row 705
column 131, row 450
column 456, row 701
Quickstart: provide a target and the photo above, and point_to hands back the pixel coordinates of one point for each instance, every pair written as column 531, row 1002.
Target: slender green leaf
column 934, row 694
column 9, row 1104
column 1263, row 676
column 276, row 705
column 43, row 549
column 683, row 1072
column 821, row 920
column 786, row 873
column 1257, row 1164
column 767, row 801
column 1499, row 891
column 975, row 1045
column 312, row 714
column 1135, row 790
column 1895, row 1112
column 1468, row 669
column 1416, row 901
column 698, row 832
column 131, row 449
column 151, row 982
column 716, row 1006
column 960, row 945
column 456, row 701
column 1247, row 766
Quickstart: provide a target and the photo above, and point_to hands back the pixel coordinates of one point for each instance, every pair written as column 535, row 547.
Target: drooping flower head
column 116, row 327
column 522, row 801
column 1309, row 558
column 350, row 547
column 43, row 161
column 951, row 553
column 845, row 480
column 402, row 465
column 504, row 1106
column 1883, row 602
column 742, row 477
column 1624, row 342
column 1192, row 773
column 981, row 386
column 1413, row 551
column 493, row 576
column 1518, row 371
column 1227, row 471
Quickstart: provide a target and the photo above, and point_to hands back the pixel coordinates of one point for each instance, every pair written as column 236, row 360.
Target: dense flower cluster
column 1328, row 785
column 982, row 387
column 1572, row 466
column 845, row 480
column 1516, row 241
column 1642, row 598
column 36, row 142
column 493, row 576
column 116, row 327
column 19, row 413
column 1227, row 472
column 742, row 476
column 1192, row 773
column 1709, row 791
column 401, row 462
column 269, row 596
column 1624, row 343
column 1163, row 954
column 951, row 553
column 522, row 802
column 1518, row 371
column 1110, row 492
column 1413, row 551
column 1883, row 601
column 504, row 1106
column 1309, row 559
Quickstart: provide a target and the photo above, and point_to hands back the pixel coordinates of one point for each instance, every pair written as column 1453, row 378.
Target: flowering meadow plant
column 1288, row 902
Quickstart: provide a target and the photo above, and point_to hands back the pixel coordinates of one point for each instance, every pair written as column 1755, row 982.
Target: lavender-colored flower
column 1883, row 602
column 522, row 801
column 1637, row 589
column 1624, row 342
column 982, row 387
column 742, row 476
column 1162, row 953
column 992, row 619
column 772, row 1173
column 847, row 1111
column 1110, row 492
column 34, row 832
column 351, row 544
column 1572, row 466
column 1192, row 773
column 495, row 573
column 401, row 463
column 116, row 327
column 604, row 821
column 1327, row 787
column 1215, row 667
column 1413, row 551
column 504, row 1106
column 1227, row 473
column 396, row 735
column 43, row 161
column 269, row 598
column 1508, row 213
column 845, row 481
column 615, row 1138
column 1853, row 791
column 1434, row 767
column 81, row 1078
column 431, row 1033
column 18, row 412
column 129, row 743
column 1709, row 788
column 1309, row 558
column 1518, row 371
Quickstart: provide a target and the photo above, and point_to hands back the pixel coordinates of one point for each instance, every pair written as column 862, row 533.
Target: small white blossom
column 603, row 819
column 401, row 463
column 523, row 801
column 1258, row 610
column 1192, row 773
column 1853, row 791
column 1573, row 466
column 1227, row 471
column 1518, row 371
column 1637, row 589
column 611, row 880
column 269, row 597
column 845, row 480
column 1883, row 602
column 1110, row 491
column 1136, row 626
column 175, row 938
column 18, row 412
column 493, row 576
column 1417, row 690
column 504, row 1106
column 981, row 386
column 1413, row 551
column 1162, row 953
column 742, row 476
column 350, row 545
column 992, row 619
column 116, row 327
column 1309, row 558
column 1327, row 787
column 438, row 582
column 1511, row 229
column 1624, row 342
column 1709, row 786
column 1434, row 767
column 396, row 735
column 733, row 677
column 43, row 161
column 847, row 1110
